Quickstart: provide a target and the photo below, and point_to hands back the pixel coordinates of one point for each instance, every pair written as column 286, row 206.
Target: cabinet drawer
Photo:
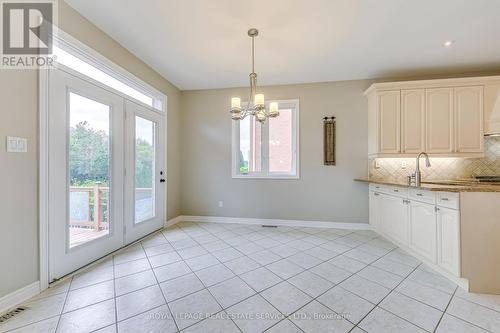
column 448, row 199
column 422, row 195
column 376, row 187
column 399, row 191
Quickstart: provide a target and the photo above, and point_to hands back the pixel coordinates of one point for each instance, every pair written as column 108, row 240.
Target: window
column 268, row 150
column 68, row 54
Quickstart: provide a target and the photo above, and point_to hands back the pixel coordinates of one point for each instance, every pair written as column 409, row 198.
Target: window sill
column 270, row 177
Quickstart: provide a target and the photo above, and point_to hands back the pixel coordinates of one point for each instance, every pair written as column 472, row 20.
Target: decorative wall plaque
column 329, row 130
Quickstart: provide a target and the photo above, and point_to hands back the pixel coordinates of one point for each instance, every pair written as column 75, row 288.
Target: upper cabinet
column 492, row 108
column 468, row 103
column 413, row 121
column 447, row 118
column 439, row 124
column 389, row 121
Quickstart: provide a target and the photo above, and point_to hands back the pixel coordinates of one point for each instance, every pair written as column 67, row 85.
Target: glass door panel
column 145, row 177
column 145, row 170
column 89, row 166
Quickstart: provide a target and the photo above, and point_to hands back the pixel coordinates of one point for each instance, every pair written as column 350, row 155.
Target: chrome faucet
column 418, row 175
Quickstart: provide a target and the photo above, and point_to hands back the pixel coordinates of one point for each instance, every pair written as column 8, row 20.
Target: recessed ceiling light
column 448, row 43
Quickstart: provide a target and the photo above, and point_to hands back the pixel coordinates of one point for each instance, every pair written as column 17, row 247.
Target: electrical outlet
column 221, row 204
column 403, row 164
column 376, row 164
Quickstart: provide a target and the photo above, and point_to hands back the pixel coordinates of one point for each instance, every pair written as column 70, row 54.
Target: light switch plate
column 16, row 145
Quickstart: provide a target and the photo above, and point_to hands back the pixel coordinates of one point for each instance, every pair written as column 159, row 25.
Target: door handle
column 162, row 180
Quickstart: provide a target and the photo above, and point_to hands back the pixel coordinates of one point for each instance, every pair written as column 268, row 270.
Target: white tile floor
column 243, row 278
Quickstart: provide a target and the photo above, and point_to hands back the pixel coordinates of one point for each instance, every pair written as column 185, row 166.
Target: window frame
column 292, row 104
column 75, row 48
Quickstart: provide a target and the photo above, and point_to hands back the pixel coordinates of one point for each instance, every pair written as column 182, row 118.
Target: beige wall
column 323, row 193
column 18, row 172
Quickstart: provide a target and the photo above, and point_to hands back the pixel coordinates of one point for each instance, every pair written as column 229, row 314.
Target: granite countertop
column 442, row 186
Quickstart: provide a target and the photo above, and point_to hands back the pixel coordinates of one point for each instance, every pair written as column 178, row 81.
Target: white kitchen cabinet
column 492, row 108
column 468, row 104
column 413, row 121
column 448, row 227
column 445, row 118
column 389, row 121
column 440, row 126
column 394, row 217
column 421, row 222
column 374, row 203
column 423, row 230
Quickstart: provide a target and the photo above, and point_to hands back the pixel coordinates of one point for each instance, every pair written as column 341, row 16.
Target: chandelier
column 255, row 106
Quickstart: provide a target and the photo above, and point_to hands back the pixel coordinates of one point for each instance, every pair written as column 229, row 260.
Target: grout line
column 206, row 288
column 376, row 305
column 442, row 315
column 161, row 291
column 64, row 304
column 337, row 285
column 475, row 303
column 114, row 293
column 468, row 322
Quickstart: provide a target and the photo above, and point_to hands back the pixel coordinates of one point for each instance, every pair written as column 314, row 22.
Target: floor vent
column 12, row 314
column 269, row 226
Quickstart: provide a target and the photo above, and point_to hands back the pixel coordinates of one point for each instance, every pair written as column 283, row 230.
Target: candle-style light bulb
column 273, row 109
column 235, row 103
column 259, row 100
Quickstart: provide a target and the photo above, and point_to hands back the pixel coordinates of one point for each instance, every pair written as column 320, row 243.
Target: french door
column 105, row 172
column 144, row 190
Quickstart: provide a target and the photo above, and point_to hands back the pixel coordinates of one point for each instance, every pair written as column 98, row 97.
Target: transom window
column 268, row 150
column 68, row 55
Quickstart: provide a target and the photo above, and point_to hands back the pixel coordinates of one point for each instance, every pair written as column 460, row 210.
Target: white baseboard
column 173, row 221
column 278, row 222
column 17, row 297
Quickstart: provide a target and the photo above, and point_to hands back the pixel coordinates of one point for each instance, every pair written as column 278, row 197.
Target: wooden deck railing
column 97, row 205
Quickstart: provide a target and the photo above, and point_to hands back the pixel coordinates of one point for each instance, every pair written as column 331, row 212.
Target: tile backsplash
column 442, row 168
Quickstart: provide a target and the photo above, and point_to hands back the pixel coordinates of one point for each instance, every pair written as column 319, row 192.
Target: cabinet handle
column 396, row 190
column 444, row 199
column 420, row 195
column 437, row 209
column 376, row 194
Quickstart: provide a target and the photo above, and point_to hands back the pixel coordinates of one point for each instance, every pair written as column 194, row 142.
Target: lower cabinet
column 448, row 229
column 428, row 230
column 423, row 230
column 393, row 217
column 374, row 203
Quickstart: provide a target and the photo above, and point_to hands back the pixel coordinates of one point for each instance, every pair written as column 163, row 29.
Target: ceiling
column 201, row 44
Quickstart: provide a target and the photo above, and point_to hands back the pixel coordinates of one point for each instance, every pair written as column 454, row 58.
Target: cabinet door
column 413, row 120
column 423, row 230
column 389, row 121
column 374, row 210
column 469, row 119
column 394, row 218
column 439, row 120
column 492, row 108
column 448, row 226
